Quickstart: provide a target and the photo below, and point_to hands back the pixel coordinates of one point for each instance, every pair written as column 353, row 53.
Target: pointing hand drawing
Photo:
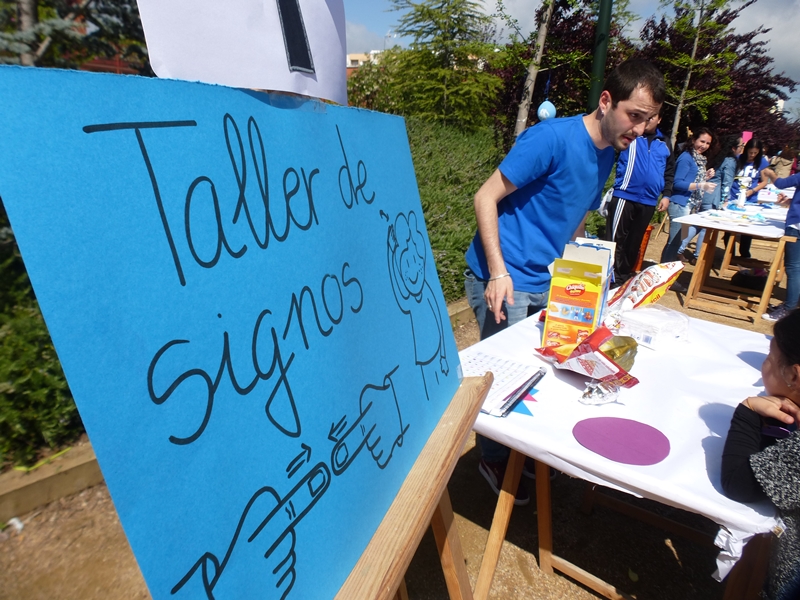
column 260, row 559
column 379, row 428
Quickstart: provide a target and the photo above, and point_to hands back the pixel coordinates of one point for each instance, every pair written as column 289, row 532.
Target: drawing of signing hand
column 260, row 559
column 379, row 428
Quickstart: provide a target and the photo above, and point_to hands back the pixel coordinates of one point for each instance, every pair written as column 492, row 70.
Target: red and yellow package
column 602, row 356
column 575, row 305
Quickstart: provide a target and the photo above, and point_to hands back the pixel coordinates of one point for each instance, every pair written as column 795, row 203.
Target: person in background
column 537, row 200
column 749, row 164
column 645, row 170
column 783, row 161
column 724, row 166
column 687, row 191
column 791, row 255
column 761, row 458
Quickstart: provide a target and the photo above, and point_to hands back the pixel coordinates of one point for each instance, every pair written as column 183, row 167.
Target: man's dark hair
column 632, row 74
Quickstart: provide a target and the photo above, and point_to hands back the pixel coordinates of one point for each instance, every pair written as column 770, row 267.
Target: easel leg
column 502, row 515
column 449, row 544
column 545, row 517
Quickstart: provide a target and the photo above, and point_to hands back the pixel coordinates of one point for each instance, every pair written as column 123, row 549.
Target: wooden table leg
column 726, row 259
column 703, row 267
column 402, row 591
column 775, row 270
column 545, row 517
column 497, row 533
column 747, row 577
column 449, row 544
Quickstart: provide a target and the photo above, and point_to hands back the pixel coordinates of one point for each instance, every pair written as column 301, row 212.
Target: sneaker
column 679, row 288
column 494, row 472
column 776, row 313
column 688, row 257
column 529, row 470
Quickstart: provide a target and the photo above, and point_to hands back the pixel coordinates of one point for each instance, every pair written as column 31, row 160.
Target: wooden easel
column 422, row 500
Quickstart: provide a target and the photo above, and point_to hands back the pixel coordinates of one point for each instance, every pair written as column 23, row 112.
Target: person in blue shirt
column 687, row 190
column 538, row 199
column 749, row 164
column 791, row 253
column 645, row 170
column 724, row 166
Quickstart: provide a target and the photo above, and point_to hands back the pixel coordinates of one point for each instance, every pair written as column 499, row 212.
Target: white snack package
column 654, row 325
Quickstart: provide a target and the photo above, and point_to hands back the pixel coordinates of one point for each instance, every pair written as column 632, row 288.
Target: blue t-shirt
column 559, row 174
column 751, row 171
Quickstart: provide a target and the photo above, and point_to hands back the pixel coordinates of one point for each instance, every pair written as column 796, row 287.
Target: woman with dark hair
column 724, row 166
column 748, row 180
column 687, row 189
column 761, row 459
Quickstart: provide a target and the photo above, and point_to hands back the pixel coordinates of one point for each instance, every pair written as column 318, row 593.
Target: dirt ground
column 75, row 548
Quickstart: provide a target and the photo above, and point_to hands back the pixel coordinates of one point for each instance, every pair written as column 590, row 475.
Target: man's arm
column 669, row 172
column 491, row 192
column 669, row 178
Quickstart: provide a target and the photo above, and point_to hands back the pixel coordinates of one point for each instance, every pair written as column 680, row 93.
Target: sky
column 370, row 23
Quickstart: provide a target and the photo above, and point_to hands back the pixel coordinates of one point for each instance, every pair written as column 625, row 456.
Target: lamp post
column 600, row 53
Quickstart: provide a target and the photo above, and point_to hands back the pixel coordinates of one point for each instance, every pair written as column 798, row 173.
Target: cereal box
column 578, row 290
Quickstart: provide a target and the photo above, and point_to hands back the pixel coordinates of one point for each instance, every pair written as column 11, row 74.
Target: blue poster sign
column 242, row 294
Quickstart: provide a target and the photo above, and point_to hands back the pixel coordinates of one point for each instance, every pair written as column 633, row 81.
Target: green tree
column 372, row 84
column 695, row 22
column 443, row 76
column 68, row 33
column 566, row 65
column 729, row 85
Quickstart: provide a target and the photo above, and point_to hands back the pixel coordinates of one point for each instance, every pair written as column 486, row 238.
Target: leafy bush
column 451, row 165
column 36, row 407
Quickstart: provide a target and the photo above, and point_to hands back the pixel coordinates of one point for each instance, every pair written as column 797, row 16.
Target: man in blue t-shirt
column 537, row 201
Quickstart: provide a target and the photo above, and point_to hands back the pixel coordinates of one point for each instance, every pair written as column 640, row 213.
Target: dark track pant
column 626, row 223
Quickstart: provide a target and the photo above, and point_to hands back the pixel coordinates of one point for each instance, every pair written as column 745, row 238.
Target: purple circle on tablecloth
column 622, row 440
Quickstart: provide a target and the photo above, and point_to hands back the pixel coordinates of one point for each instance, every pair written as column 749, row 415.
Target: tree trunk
column 533, row 71
column 679, row 107
column 28, row 14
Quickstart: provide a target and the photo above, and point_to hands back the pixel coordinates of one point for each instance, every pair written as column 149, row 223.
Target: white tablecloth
column 688, row 390
column 772, row 228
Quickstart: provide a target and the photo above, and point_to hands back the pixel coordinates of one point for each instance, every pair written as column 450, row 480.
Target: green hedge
column 36, row 407
column 450, row 165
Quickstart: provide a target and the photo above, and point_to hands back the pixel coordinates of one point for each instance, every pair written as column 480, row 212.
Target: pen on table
column 514, row 398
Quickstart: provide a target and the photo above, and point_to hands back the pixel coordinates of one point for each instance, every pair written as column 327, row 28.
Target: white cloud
column 783, row 18
column 361, row 39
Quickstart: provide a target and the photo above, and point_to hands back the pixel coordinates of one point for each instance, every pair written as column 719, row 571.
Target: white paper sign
column 286, row 45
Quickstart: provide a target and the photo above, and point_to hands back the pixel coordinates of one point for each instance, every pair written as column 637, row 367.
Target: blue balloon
column 546, row 110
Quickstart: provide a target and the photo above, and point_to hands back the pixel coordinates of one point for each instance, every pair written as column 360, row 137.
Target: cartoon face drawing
column 410, row 254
